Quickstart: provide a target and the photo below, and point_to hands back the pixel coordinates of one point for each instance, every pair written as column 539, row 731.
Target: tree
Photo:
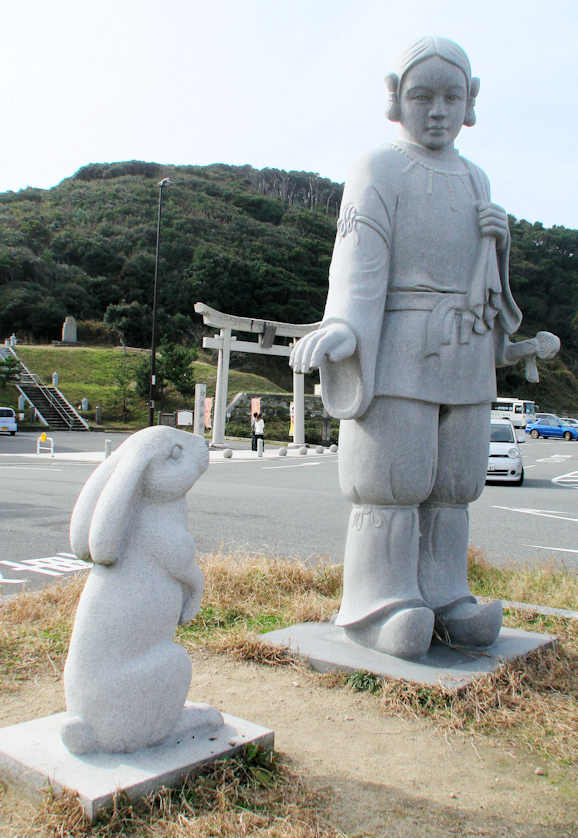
column 177, row 369
column 132, row 320
column 142, row 376
column 123, row 377
column 8, row 370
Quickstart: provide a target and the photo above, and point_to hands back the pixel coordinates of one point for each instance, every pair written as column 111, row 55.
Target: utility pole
column 153, row 381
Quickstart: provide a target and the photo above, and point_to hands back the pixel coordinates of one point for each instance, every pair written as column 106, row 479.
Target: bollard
column 45, row 444
column 107, row 448
column 260, row 447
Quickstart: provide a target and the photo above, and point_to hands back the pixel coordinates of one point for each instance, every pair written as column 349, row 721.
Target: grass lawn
column 96, row 373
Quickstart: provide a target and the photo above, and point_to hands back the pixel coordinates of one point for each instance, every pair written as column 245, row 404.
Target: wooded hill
column 248, row 242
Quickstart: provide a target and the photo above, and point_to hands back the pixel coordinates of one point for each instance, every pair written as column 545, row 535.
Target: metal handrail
column 71, row 409
column 27, row 377
column 37, row 382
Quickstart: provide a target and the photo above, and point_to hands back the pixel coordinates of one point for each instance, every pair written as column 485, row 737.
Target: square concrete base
column 327, row 649
column 33, row 757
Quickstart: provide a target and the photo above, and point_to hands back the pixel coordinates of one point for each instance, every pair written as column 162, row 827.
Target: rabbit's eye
column 177, row 452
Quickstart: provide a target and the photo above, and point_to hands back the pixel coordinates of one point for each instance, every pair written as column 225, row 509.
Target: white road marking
column 4, row 581
column 49, row 565
column 29, row 468
column 555, row 458
column 299, row 465
column 570, row 479
column 559, row 549
column 21, row 567
column 541, row 513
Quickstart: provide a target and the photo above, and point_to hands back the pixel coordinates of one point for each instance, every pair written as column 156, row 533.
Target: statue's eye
column 176, row 452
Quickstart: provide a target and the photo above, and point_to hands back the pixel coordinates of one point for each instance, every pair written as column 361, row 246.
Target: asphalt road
column 281, row 506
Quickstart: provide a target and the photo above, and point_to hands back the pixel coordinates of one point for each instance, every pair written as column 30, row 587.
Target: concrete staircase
column 52, row 408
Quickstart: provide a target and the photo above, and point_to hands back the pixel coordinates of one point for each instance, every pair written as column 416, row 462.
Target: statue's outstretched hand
column 493, row 221
column 335, row 340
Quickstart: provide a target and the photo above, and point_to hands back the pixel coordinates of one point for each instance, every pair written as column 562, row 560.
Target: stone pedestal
column 327, row 649
column 33, row 758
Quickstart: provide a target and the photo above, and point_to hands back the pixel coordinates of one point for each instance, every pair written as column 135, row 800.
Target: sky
column 288, row 84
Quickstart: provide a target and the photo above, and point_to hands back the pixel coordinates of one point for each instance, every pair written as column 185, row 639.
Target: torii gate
column 225, row 343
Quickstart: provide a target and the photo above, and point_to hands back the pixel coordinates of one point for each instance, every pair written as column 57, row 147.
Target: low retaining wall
column 273, row 406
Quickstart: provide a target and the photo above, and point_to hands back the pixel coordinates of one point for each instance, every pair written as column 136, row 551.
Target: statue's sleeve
column 358, row 279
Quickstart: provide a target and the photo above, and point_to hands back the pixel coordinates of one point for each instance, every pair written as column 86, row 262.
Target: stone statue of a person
column 418, row 314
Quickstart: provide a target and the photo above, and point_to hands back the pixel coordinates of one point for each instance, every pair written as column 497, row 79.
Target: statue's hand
column 547, row 345
column 336, row 341
column 493, row 222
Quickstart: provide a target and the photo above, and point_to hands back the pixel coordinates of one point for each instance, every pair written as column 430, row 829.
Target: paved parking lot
column 283, row 506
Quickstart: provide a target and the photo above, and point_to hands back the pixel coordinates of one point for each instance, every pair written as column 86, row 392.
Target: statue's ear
column 394, row 110
column 470, row 116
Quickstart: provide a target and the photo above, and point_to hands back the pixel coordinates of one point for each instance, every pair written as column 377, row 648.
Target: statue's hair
column 429, row 47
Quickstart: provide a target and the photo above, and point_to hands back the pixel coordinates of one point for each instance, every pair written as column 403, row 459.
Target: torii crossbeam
column 267, row 330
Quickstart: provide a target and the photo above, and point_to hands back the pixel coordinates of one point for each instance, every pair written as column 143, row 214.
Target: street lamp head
column 164, row 182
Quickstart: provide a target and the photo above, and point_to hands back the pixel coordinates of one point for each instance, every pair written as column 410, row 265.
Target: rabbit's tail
column 78, row 736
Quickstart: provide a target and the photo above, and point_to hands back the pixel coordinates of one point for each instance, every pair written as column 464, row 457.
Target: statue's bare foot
column 406, row 633
column 470, row 623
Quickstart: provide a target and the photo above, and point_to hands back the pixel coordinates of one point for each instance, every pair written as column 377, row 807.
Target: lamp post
column 153, row 382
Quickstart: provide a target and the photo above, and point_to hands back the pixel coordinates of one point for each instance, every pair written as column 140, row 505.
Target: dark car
column 552, row 426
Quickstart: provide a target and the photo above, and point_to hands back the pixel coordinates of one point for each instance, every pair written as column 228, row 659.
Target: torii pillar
column 225, row 343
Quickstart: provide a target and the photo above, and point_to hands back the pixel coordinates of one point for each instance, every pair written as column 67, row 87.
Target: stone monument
column 69, row 330
column 419, row 313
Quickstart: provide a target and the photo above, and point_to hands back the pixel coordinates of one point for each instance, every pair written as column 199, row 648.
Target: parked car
column 552, row 426
column 8, row 421
column 505, row 460
column 569, row 421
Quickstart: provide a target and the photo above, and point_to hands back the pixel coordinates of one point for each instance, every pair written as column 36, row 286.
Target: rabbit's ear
column 114, row 509
column 85, row 504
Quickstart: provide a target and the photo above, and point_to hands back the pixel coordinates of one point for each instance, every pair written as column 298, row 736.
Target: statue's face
column 433, row 102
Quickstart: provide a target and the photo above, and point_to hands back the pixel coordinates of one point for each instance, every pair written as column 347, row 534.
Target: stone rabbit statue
column 125, row 679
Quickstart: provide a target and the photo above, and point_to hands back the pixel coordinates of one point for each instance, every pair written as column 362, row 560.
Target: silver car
column 505, row 460
column 8, row 421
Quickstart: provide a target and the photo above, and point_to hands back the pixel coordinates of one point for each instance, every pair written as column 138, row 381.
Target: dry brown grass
column 259, row 795
column 532, row 703
column 549, row 584
column 250, row 584
column 35, row 631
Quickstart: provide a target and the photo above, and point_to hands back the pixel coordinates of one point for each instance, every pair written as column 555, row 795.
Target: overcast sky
column 290, row 84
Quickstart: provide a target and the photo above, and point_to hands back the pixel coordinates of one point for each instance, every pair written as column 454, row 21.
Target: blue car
column 551, row 426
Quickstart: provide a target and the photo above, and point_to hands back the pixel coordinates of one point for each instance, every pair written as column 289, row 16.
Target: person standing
column 259, row 430
column 253, row 439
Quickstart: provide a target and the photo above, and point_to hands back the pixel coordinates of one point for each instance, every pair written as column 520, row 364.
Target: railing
column 34, row 380
column 31, row 379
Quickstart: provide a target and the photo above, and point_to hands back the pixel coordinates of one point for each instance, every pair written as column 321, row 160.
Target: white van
column 8, row 421
column 519, row 411
column 504, row 460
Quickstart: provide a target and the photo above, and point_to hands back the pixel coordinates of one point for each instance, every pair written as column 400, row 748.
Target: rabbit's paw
column 78, row 736
column 191, row 607
column 195, row 717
